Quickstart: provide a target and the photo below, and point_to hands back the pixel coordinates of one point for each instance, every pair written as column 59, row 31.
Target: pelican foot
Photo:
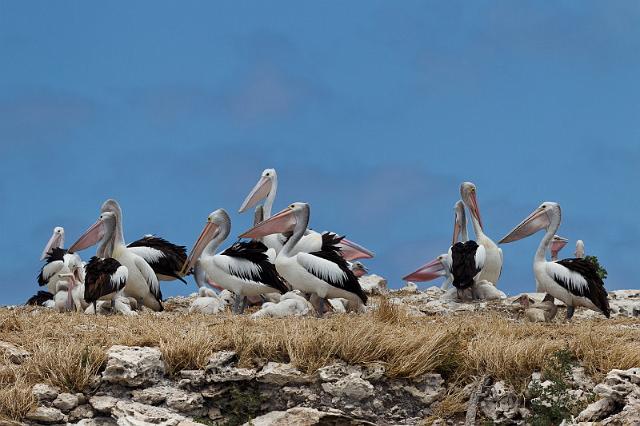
column 570, row 312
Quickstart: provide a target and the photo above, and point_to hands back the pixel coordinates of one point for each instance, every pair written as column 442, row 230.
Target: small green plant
column 602, row 273
column 552, row 404
column 243, row 406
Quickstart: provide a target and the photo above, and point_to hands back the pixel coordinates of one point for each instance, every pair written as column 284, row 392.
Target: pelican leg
column 570, row 311
column 95, row 307
column 321, row 305
column 239, row 304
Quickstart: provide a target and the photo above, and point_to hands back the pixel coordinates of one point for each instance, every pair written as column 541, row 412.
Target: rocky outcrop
column 13, row 353
column 133, row 366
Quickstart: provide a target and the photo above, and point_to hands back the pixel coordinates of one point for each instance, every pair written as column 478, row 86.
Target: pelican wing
column 150, row 276
column 165, row 258
column 250, row 261
column 580, row 277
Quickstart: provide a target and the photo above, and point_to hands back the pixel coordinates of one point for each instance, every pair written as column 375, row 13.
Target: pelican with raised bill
column 244, row 268
column 324, row 272
column 141, row 282
column 557, row 244
column 265, row 189
column 461, row 264
column 58, row 261
column 492, row 268
column 574, row 281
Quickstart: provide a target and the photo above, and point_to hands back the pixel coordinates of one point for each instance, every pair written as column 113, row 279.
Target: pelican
column 244, row 268
column 573, row 281
column 461, row 264
column 493, row 254
column 265, row 189
column 142, row 282
column 534, row 311
column 105, row 279
column 557, row 244
column 58, row 261
column 579, row 249
column 324, row 272
column 358, row 268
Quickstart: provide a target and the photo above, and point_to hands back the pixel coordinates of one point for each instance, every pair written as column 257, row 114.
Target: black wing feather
column 595, row 290
column 331, row 252
column 463, row 266
column 97, row 281
column 40, row 298
column 52, row 256
column 256, row 252
column 174, row 256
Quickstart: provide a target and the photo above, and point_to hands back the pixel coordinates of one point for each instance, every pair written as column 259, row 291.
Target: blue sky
column 371, row 111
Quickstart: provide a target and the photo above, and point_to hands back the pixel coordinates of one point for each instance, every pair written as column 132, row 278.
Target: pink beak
column 205, row 237
column 89, row 238
column 427, row 272
column 56, row 241
column 284, row 221
column 533, row 223
column 260, row 191
column 475, row 210
column 353, row 251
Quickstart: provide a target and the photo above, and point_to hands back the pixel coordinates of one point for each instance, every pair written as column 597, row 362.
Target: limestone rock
column 154, row 395
column 373, row 284
column 81, row 412
column 303, row 416
column 597, row 410
column 231, row 374
column 66, row 402
column 220, row 359
column 133, row 365
column 337, row 371
column 501, row 404
column 46, row 415
column 134, row 414
column 618, row 384
column 15, row 354
column 281, row 374
column 98, row 421
column 103, row 403
column 44, row 392
column 429, row 388
column 190, row 403
column 410, row 287
column 350, row 387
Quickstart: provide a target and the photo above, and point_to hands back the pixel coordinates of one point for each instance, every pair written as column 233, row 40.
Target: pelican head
column 557, row 244
column 216, row 221
column 358, row 269
column 539, row 219
column 102, row 229
column 56, row 241
column 579, row 249
column 261, row 190
column 430, row 271
column 469, row 196
column 284, row 221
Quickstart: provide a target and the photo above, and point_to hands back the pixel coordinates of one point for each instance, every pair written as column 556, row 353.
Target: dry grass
column 68, row 349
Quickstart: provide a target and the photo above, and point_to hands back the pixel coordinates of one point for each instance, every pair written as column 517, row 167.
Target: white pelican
column 105, row 279
column 573, row 281
column 358, row 268
column 142, row 283
column 579, row 249
column 461, row 264
column 58, row 261
column 557, row 244
column 42, row 298
column 493, row 254
column 244, row 268
column 323, row 272
column 266, row 189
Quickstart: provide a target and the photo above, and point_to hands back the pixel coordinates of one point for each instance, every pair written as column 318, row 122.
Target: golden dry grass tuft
column 68, row 349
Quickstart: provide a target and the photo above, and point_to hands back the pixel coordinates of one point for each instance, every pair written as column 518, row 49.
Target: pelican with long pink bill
column 557, row 244
column 492, row 268
column 324, row 272
column 438, row 267
column 243, row 269
column 265, row 189
column 142, row 282
column 573, row 281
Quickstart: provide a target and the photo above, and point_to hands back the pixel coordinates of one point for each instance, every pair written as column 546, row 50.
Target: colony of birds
column 281, row 254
